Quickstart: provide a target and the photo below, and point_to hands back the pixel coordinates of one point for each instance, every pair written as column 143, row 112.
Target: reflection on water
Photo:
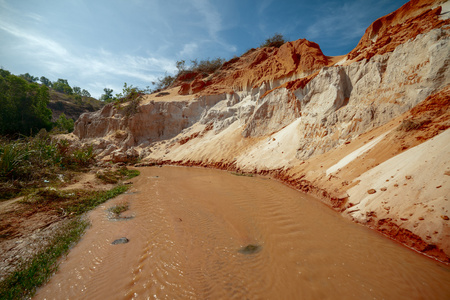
column 207, row 234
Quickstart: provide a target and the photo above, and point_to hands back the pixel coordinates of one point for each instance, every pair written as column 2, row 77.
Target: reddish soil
column 385, row 34
column 261, row 65
column 26, row 228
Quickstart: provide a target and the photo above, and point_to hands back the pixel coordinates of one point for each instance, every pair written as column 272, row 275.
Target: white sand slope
column 417, row 191
column 358, row 152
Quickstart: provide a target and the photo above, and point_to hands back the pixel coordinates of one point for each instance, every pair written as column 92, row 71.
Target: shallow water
column 188, row 236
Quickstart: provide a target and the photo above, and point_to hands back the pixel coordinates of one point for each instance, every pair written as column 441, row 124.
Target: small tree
column 76, row 90
column 107, row 96
column 45, row 81
column 181, row 66
column 274, row 41
column 164, row 82
column 28, row 77
column 64, row 124
column 85, row 93
column 62, row 85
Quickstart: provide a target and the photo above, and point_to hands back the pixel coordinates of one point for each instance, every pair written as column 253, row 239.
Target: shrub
column 23, row 106
column 164, row 82
column 274, row 41
column 408, row 125
column 206, row 66
column 64, row 124
column 83, row 157
column 13, row 156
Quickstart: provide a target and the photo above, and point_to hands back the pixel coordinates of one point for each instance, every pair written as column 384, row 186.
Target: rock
column 250, row 249
column 371, row 191
column 444, row 218
column 123, row 240
column 118, row 156
column 185, row 88
column 383, row 189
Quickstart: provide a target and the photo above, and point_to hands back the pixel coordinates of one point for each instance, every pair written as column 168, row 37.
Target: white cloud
column 43, row 45
column 211, row 16
column 213, row 22
column 339, row 21
column 35, row 17
column 189, row 50
column 53, row 58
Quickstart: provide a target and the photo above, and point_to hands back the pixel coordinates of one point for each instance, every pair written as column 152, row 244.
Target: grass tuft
column 242, row 174
column 114, row 177
column 116, row 210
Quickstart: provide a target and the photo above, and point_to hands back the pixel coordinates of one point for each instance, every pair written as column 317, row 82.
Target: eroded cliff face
column 363, row 132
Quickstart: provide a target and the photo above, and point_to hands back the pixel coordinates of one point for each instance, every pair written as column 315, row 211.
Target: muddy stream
column 208, row 234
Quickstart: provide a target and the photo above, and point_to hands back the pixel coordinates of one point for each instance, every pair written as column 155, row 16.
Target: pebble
column 123, row 240
column 371, row 191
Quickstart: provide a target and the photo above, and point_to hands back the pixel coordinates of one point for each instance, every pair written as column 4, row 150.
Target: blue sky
column 103, row 43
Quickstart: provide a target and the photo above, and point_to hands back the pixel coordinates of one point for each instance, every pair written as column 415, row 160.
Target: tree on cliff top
column 274, row 41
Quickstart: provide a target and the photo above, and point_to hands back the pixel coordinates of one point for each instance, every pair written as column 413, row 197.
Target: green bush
column 13, row 156
column 164, row 82
column 23, row 106
column 206, row 66
column 83, row 157
column 39, row 157
column 274, row 41
column 64, row 124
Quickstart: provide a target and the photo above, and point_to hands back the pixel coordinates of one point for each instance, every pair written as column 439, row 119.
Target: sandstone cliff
column 366, row 132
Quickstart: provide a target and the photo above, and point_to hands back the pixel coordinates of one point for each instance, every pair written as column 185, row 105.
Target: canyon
column 367, row 133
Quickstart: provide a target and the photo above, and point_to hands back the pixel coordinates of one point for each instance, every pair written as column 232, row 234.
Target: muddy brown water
column 188, row 229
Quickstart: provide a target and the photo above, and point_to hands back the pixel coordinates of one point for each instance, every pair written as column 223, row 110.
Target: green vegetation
column 207, row 66
column 28, row 77
column 63, row 124
column 274, row 41
column 408, row 125
column 23, row 106
column 70, row 202
column 45, row 81
column 116, row 210
column 72, row 105
column 31, row 274
column 130, row 94
column 61, row 85
column 107, row 96
column 164, row 82
column 242, row 174
column 31, row 162
column 114, row 177
column 204, row 67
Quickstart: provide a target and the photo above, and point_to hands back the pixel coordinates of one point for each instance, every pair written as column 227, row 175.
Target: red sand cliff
column 385, row 34
column 262, row 65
